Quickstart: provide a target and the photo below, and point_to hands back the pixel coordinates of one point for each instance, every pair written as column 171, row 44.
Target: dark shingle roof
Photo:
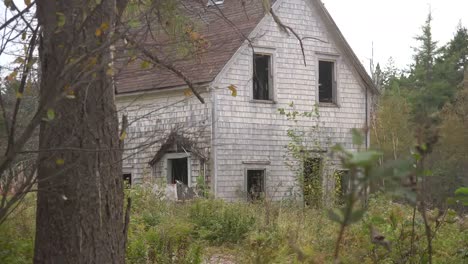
column 224, row 27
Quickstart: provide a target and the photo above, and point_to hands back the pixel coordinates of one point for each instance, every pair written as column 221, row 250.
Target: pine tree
column 425, row 54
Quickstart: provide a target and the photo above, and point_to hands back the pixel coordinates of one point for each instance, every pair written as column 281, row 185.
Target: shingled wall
column 252, row 134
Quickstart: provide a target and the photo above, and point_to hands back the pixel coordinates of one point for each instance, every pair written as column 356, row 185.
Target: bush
column 193, row 232
column 219, row 222
column 17, row 233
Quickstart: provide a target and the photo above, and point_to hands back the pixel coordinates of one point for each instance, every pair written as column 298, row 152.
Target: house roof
column 225, row 27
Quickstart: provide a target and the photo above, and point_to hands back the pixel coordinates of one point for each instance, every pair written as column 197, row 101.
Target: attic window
column 327, row 82
column 215, row 2
column 262, row 77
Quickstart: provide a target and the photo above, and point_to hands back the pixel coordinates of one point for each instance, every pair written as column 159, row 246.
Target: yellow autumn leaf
column 12, row 76
column 92, row 61
column 27, row 2
column 145, row 64
column 60, row 162
column 187, row 92
column 123, row 135
column 104, row 26
column 194, row 35
column 19, row 95
column 98, row 32
column 60, row 19
column 233, row 90
column 110, row 71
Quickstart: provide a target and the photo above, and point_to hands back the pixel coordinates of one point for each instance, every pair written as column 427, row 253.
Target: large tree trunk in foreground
column 80, row 191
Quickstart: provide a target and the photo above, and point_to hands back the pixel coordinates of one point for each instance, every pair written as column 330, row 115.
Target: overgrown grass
column 196, row 231
column 269, row 232
column 17, row 233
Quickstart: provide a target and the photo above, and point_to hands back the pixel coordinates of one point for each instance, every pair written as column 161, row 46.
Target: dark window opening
column 179, row 170
column 326, row 81
column 255, row 184
column 342, row 185
column 262, row 77
column 312, row 182
column 127, row 178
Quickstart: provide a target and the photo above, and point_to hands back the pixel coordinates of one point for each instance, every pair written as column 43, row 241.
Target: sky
column 392, row 25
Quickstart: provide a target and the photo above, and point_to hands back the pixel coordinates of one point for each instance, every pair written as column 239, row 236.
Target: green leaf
column 364, row 158
column 60, row 19
column 428, row 173
column 358, row 138
column 50, row 114
column 356, row 216
column 461, row 191
column 134, row 23
column 461, row 195
column 335, row 215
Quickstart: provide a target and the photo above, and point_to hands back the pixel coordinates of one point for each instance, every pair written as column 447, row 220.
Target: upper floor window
column 262, row 77
column 327, row 82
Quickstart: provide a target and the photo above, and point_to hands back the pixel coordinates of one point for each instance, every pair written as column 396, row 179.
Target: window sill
column 328, row 105
column 263, row 101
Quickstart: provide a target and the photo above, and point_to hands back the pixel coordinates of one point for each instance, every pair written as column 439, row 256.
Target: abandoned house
column 250, row 66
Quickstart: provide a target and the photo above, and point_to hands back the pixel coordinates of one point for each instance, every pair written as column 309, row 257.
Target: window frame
column 167, row 169
column 272, row 74
column 334, row 58
column 347, row 182
column 246, row 179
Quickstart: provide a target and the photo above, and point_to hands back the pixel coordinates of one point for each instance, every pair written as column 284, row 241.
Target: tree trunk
column 80, row 189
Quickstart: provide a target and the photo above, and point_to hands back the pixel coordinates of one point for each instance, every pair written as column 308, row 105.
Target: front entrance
column 177, row 170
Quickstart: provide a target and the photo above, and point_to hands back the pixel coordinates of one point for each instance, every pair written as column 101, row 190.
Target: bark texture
column 80, row 192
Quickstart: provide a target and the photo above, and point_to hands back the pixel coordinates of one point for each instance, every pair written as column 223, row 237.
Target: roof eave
column 347, row 48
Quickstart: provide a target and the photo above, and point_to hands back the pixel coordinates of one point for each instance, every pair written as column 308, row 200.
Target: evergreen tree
column 425, row 55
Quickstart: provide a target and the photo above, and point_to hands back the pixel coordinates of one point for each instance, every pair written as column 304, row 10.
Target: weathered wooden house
column 237, row 143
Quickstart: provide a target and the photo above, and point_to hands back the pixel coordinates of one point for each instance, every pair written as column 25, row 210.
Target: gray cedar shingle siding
column 255, row 131
column 238, row 134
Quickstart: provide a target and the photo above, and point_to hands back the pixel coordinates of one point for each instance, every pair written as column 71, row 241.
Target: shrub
column 17, row 233
column 219, row 222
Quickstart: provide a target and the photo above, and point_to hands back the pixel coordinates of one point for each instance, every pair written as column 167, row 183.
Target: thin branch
column 20, row 14
column 168, row 66
column 286, row 28
column 26, row 69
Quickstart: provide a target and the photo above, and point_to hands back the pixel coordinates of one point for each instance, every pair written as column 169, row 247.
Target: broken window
column 127, row 178
column 262, row 77
column 177, row 170
column 327, row 82
column 255, row 184
column 312, row 182
column 342, row 185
